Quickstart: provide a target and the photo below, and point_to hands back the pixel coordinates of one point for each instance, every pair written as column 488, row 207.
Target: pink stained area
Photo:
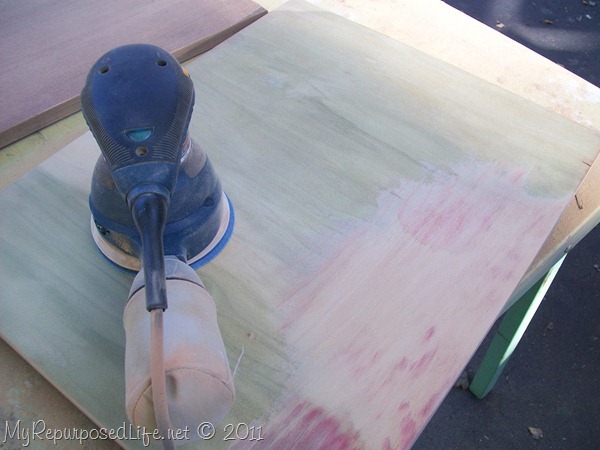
column 301, row 425
column 419, row 367
column 393, row 313
column 429, row 334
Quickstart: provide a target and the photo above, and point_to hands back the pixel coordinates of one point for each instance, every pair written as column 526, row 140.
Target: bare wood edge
column 579, row 217
column 197, row 48
column 72, row 105
column 39, row 121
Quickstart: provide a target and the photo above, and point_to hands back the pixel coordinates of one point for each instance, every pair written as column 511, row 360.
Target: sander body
column 198, row 224
column 138, row 102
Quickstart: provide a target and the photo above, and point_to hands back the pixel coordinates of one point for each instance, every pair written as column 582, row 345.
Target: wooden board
column 387, row 205
column 48, row 47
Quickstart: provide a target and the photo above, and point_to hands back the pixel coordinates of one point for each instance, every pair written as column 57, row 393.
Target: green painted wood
column 360, row 170
column 509, row 334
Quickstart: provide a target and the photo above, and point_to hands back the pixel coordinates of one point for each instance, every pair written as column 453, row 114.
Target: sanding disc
column 221, row 238
column 131, row 263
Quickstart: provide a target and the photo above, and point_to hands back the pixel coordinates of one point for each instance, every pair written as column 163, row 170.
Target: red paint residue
column 387, row 445
column 448, row 215
column 403, row 406
column 312, row 415
column 375, row 357
column 402, row 364
column 408, row 433
column 429, row 407
column 303, row 426
column 429, row 334
column 419, row 367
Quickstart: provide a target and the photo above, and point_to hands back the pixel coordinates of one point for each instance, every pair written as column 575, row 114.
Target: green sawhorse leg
column 512, row 328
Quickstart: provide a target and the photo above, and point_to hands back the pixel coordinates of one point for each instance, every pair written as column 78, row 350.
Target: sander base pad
column 131, row 263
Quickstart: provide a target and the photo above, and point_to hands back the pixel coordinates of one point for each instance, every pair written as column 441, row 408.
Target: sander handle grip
column 149, row 212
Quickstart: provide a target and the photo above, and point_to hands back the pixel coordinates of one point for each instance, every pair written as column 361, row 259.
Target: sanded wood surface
column 387, row 205
column 48, row 47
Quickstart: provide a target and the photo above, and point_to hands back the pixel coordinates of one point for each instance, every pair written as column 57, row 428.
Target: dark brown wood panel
column 47, row 47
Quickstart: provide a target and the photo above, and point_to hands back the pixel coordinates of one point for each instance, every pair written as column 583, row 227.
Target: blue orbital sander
column 158, row 209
